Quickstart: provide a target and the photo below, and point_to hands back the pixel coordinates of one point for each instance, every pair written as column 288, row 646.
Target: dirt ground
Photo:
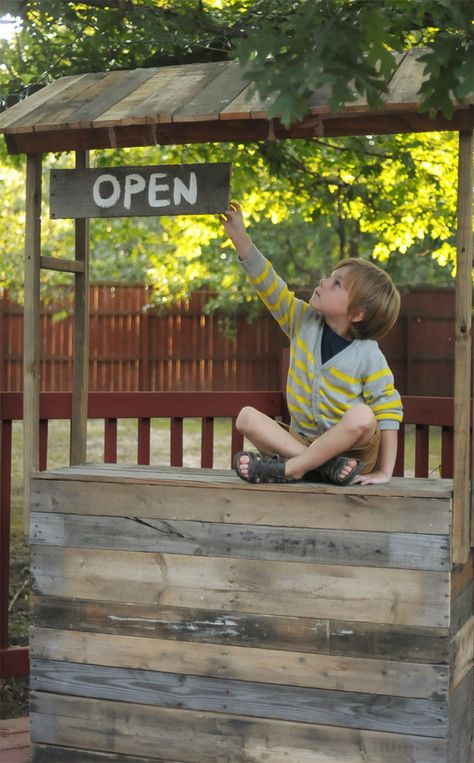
column 14, row 692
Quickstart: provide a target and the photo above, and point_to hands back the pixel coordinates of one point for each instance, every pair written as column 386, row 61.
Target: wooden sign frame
column 140, row 191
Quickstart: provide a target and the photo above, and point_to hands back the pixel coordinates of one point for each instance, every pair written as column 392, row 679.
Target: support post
column 462, row 355
column 80, row 378
column 31, row 327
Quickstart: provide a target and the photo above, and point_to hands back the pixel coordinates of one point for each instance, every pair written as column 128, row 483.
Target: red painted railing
column 423, row 412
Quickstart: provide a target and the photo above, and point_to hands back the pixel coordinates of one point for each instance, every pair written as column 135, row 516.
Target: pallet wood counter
column 182, row 615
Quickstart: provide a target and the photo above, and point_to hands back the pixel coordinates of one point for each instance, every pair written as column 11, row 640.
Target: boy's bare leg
column 354, row 430
column 266, row 435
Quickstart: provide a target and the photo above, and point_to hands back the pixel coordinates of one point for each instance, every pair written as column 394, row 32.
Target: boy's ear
column 357, row 317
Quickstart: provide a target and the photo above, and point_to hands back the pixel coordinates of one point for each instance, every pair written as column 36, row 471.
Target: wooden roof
column 198, row 103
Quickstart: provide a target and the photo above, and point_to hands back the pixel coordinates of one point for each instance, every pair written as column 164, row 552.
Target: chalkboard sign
column 170, row 189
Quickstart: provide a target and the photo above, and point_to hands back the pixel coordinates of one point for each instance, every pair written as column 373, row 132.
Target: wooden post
column 462, row 369
column 80, row 377
column 31, row 327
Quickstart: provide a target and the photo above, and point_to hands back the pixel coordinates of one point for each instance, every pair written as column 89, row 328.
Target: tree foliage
column 291, row 47
column 308, row 202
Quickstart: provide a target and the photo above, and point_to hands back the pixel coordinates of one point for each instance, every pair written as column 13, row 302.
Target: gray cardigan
column 319, row 394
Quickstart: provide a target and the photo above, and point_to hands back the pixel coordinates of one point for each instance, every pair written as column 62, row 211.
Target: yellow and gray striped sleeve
column 384, row 400
column 273, row 291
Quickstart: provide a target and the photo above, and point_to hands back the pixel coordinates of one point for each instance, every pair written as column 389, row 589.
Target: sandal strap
column 265, row 468
column 330, row 471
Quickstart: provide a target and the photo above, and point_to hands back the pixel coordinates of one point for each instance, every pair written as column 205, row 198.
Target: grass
column 14, row 695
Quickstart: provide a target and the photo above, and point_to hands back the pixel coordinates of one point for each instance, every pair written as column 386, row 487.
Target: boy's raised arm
column 233, row 222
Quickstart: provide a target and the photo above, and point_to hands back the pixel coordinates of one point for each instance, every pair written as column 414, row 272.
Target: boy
column 345, row 411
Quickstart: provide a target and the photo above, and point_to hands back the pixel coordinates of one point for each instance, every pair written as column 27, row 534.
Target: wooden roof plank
column 212, row 99
column 60, row 105
column 113, row 92
column 248, row 105
column 176, row 91
column 24, row 111
column 406, row 82
column 67, row 116
column 137, row 107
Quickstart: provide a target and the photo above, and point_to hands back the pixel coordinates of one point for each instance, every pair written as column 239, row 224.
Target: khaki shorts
column 368, row 453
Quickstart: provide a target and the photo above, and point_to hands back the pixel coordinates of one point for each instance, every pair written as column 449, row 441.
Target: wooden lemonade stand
column 183, row 615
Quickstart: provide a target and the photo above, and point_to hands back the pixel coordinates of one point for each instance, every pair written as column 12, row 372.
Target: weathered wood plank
column 463, row 353
column 179, row 189
column 334, row 708
column 387, row 677
column 138, row 105
column 248, row 105
column 29, row 108
column 406, row 82
column 136, row 533
column 58, row 104
column 172, row 93
column 221, row 502
column 114, row 91
column 54, row 754
column 460, row 721
column 194, row 737
column 211, row 100
column 462, row 653
column 303, row 634
column 160, row 474
column 98, row 88
column 31, row 327
column 80, row 358
column 405, row 597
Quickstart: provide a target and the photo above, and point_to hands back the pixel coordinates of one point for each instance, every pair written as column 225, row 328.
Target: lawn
column 14, row 699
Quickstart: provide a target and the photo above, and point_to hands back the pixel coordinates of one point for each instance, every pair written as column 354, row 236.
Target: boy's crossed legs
column 355, row 429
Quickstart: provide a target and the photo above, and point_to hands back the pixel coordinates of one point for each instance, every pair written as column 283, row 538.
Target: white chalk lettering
column 162, row 189
column 134, row 183
column 154, row 188
column 109, row 201
column 188, row 193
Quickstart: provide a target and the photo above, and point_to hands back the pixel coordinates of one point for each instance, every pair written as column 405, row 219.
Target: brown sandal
column 330, row 471
column 261, row 468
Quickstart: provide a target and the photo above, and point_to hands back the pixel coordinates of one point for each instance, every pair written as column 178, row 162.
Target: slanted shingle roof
column 197, row 103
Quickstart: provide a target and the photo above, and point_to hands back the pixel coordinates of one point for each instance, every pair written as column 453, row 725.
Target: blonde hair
column 372, row 291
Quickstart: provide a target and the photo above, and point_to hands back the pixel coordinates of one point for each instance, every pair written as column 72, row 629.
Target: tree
column 291, row 47
column 372, row 196
column 346, row 46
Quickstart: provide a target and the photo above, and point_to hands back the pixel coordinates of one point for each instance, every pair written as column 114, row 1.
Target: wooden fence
column 135, row 348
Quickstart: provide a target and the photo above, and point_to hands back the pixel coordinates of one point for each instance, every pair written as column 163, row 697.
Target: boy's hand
column 374, row 478
column 233, row 222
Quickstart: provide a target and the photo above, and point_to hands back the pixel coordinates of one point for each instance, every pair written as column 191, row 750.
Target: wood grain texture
column 344, row 638
column 386, row 677
column 404, row 597
column 231, row 622
column 224, row 498
column 202, row 694
column 57, row 754
column 194, row 737
column 462, row 653
column 31, row 327
column 368, row 549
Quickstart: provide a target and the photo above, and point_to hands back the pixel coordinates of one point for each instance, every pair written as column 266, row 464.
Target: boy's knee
column 245, row 419
column 361, row 420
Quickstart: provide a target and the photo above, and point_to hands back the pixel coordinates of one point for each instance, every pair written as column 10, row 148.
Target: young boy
column 345, row 411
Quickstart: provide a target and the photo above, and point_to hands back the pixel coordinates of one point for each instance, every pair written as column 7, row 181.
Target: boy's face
column 331, row 297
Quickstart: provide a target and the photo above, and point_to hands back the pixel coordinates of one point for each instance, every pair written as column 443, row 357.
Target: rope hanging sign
column 180, row 189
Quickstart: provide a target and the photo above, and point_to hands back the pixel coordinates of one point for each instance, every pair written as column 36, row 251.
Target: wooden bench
column 184, row 615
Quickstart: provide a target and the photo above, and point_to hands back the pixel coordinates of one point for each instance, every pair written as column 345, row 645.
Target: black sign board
column 169, row 189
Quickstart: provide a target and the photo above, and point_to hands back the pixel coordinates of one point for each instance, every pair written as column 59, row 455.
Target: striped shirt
column 318, row 394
